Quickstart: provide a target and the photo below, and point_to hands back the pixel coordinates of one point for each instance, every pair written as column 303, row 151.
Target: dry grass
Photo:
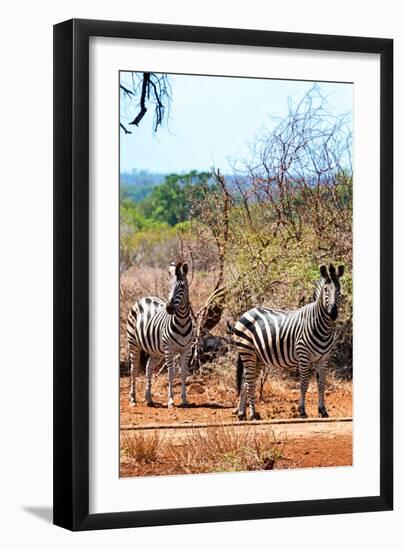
column 226, row 449
column 335, row 383
column 215, row 449
column 141, row 447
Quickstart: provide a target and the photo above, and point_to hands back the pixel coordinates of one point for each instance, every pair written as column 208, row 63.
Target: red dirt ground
column 213, row 402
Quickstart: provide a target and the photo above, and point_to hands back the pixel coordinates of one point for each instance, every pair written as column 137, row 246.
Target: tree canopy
column 172, row 201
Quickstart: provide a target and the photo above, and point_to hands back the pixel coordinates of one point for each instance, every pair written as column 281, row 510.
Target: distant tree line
column 167, row 203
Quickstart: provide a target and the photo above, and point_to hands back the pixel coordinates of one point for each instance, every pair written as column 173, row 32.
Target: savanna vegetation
column 255, row 237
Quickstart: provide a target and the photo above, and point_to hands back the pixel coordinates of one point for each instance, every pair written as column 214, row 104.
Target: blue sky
column 213, row 119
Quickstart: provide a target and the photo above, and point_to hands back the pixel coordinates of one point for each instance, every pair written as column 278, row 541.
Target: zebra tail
column 239, row 373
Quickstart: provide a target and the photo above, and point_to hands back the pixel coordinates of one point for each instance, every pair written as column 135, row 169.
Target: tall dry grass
column 141, row 447
column 226, row 449
column 212, row 449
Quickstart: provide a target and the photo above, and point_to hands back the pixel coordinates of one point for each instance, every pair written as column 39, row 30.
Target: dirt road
column 327, row 427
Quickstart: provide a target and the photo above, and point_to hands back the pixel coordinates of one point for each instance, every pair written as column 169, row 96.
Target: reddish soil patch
column 316, row 452
column 211, row 401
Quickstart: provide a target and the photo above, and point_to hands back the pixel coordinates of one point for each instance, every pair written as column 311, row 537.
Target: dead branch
column 143, row 108
column 126, row 131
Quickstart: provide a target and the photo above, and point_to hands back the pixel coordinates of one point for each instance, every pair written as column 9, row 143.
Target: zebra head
column 331, row 294
column 179, row 294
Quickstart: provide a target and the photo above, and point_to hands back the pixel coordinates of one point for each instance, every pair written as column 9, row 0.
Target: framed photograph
column 223, row 274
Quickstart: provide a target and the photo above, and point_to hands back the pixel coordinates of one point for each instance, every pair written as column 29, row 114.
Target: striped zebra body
column 162, row 330
column 299, row 338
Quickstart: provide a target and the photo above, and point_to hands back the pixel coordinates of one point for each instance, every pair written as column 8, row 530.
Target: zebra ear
column 172, row 268
column 178, row 272
column 332, row 270
column 185, row 268
column 323, row 272
column 340, row 271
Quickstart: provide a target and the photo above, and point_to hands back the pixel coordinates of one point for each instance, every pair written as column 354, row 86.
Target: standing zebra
column 298, row 338
column 162, row 330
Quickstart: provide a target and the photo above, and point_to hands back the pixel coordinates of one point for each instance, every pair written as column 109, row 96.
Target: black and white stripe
column 300, row 338
column 162, row 330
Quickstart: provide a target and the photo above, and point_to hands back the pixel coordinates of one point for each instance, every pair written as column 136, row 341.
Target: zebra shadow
column 207, row 406
column 159, row 405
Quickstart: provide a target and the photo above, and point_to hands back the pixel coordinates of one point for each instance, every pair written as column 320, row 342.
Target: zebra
column 297, row 338
column 161, row 330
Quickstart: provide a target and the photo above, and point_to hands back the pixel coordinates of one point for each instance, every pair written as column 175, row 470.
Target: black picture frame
column 71, row 274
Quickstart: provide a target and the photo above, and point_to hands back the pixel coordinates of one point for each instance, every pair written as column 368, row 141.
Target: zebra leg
column 152, row 361
column 241, row 410
column 250, row 374
column 184, row 361
column 134, row 359
column 304, row 365
column 169, row 361
column 321, row 380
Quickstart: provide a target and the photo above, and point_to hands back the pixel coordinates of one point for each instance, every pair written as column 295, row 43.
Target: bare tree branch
column 150, row 89
column 143, row 108
column 126, row 131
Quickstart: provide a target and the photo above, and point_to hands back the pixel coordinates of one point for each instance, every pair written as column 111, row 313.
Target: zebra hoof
column 323, row 412
column 171, row 405
column 235, row 411
column 302, row 412
column 241, row 416
column 184, row 405
column 255, row 416
column 133, row 403
column 150, row 404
